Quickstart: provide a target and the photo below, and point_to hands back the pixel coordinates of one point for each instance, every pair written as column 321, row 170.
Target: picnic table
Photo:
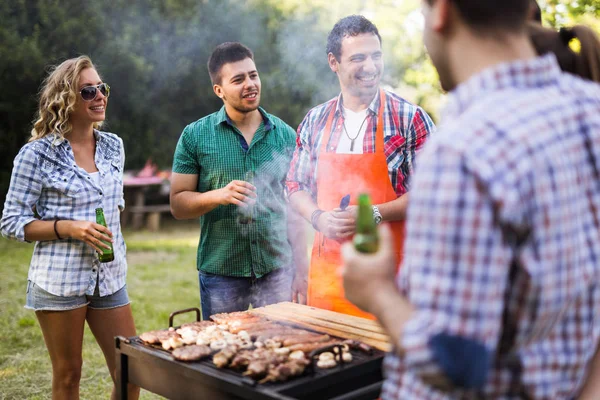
column 136, row 190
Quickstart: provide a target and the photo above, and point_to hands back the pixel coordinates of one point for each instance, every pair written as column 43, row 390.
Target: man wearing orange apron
column 362, row 141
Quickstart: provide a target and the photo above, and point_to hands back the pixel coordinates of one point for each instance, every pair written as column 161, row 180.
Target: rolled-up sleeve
column 122, row 156
column 23, row 193
column 300, row 176
column 456, row 274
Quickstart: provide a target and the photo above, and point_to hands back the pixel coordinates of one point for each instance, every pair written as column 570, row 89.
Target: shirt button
column 100, row 193
column 94, row 270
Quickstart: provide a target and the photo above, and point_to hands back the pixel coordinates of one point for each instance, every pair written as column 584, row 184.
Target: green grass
column 162, row 278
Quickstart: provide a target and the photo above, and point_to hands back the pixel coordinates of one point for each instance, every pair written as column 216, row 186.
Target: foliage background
column 153, row 54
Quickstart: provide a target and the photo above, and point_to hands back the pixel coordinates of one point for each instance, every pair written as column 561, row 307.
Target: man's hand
column 345, row 221
column 337, row 224
column 239, row 193
column 368, row 278
column 300, row 286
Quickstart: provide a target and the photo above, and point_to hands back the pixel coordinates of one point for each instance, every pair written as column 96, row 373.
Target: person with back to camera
column 68, row 169
column 498, row 296
column 583, row 61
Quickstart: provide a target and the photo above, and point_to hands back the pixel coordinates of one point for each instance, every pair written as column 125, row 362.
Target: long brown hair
column 57, row 98
column 585, row 62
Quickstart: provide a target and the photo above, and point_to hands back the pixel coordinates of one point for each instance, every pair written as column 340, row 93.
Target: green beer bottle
column 107, row 255
column 366, row 238
column 246, row 213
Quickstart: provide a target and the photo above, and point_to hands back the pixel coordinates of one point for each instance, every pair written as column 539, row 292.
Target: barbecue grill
column 153, row 369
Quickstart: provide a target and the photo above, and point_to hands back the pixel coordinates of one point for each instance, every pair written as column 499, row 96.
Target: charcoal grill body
column 155, row 370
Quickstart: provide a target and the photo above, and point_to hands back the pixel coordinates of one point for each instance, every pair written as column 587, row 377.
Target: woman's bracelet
column 314, row 218
column 56, row 230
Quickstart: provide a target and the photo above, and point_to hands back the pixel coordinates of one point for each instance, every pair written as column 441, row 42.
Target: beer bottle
column 107, row 255
column 247, row 213
column 366, row 238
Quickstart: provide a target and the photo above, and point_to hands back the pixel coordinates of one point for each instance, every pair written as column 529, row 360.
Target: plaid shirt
column 213, row 148
column 405, row 128
column 46, row 176
column 503, row 241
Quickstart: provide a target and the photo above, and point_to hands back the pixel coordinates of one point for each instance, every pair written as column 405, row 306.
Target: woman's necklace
column 352, row 139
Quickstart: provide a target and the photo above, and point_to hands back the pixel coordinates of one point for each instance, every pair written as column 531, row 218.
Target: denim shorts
column 40, row 300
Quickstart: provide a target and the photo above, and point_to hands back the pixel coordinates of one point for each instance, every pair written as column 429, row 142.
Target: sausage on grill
column 191, row 353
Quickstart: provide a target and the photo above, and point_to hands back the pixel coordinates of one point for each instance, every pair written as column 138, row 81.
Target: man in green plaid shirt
column 229, row 169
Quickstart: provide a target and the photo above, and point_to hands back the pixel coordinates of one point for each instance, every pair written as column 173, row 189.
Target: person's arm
column 18, row 218
column 591, row 387
column 187, row 203
column 296, row 230
column 89, row 232
column 122, row 155
column 449, row 326
column 419, row 131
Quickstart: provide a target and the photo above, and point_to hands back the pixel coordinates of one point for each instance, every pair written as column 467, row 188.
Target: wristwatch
column 377, row 215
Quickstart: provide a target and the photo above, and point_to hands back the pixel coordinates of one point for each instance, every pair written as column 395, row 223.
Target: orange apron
column 337, row 176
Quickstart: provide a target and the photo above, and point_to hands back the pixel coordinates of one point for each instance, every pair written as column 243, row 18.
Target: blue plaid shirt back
column 46, row 177
column 503, row 239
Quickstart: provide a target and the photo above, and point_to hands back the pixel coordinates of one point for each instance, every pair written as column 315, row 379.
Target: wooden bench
column 153, row 215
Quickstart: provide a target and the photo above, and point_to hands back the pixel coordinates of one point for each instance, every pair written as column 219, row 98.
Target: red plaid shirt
column 406, row 127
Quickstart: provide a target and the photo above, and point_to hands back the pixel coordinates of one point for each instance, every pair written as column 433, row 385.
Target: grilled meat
column 253, row 326
column 280, row 331
column 223, row 357
column 156, row 337
column 308, row 338
column 197, row 326
column 191, row 353
column 308, row 347
column 241, row 360
column 356, row 345
column 285, row 371
column 224, row 317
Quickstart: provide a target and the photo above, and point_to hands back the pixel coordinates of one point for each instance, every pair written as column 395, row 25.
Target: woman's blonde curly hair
column 57, row 98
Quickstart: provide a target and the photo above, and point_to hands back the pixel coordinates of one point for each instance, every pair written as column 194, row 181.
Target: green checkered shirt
column 212, row 149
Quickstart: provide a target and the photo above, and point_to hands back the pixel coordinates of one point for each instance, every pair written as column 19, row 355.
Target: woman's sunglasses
column 89, row 93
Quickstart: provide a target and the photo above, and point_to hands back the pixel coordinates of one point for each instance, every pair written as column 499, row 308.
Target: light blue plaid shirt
column 46, row 176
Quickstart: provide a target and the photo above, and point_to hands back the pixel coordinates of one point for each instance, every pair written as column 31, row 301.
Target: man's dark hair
column 228, row 52
column 352, row 25
column 493, row 15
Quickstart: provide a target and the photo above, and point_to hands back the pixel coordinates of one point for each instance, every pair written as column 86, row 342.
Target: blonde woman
column 67, row 170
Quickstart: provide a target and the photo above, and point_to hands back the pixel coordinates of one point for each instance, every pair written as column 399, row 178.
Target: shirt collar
column 373, row 106
column 222, row 117
column 58, row 140
column 521, row 74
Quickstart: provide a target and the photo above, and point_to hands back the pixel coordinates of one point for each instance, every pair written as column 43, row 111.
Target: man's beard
column 244, row 109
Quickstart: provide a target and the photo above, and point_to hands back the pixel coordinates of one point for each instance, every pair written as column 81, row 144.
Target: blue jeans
column 223, row 294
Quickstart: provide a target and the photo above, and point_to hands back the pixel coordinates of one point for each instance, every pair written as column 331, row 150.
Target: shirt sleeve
column 301, row 173
column 122, row 158
column 185, row 160
column 455, row 274
column 23, row 193
column 421, row 127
